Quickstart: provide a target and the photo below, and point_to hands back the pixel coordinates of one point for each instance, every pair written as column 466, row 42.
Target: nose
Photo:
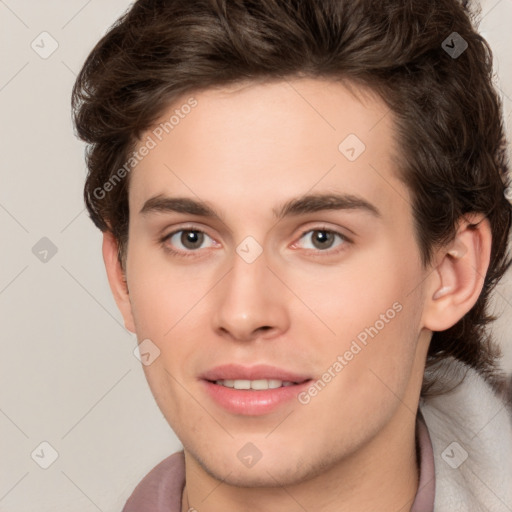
column 251, row 302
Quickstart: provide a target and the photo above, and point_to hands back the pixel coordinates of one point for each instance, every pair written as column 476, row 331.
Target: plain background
column 68, row 374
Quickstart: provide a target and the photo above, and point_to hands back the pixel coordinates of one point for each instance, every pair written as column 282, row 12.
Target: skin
column 250, row 148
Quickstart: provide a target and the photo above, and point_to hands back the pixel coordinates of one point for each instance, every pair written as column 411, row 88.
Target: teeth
column 260, row 384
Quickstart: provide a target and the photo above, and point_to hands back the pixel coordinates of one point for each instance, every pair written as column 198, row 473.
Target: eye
column 323, row 239
column 187, row 240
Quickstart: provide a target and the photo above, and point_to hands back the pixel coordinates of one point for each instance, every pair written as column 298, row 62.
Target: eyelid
column 185, row 227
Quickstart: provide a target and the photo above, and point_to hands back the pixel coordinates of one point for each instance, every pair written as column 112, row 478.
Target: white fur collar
column 473, row 422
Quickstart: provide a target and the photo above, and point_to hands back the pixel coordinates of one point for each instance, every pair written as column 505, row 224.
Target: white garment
column 470, row 421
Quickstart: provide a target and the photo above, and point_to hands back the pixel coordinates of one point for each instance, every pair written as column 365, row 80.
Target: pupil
column 322, row 237
column 191, row 239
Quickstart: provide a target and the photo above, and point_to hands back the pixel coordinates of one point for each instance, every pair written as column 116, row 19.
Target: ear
column 117, row 279
column 457, row 281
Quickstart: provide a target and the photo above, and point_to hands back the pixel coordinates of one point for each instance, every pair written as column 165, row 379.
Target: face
column 272, row 247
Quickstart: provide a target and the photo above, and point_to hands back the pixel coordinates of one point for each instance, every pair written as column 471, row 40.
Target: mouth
column 252, row 391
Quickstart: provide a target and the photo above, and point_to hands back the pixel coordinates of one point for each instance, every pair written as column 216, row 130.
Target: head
column 245, row 106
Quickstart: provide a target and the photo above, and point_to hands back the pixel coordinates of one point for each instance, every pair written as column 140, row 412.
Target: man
column 304, row 212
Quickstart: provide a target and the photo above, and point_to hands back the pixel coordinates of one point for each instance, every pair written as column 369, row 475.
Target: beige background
column 68, row 375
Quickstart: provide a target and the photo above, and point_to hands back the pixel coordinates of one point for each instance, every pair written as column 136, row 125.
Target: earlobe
column 456, row 283
column 117, row 279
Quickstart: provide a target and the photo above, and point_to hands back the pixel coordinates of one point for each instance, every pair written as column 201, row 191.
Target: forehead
column 251, row 147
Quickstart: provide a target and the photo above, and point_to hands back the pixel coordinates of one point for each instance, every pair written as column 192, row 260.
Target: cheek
column 367, row 366
column 354, row 295
column 162, row 295
column 373, row 315
column 168, row 307
column 165, row 306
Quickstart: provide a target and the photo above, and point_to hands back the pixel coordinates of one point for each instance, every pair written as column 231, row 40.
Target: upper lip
column 256, row 372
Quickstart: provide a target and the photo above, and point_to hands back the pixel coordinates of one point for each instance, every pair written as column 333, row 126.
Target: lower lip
column 252, row 402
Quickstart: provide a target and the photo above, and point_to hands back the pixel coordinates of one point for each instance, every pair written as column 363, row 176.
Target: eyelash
column 174, row 252
column 313, row 252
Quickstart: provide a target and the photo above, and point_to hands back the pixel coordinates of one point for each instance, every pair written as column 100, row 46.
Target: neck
column 382, row 475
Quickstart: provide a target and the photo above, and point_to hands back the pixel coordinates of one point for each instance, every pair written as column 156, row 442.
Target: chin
column 275, row 471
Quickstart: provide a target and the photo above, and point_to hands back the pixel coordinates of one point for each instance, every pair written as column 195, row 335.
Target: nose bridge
column 246, row 284
column 250, row 297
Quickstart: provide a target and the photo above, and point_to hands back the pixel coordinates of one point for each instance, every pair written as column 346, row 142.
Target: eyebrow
column 298, row 206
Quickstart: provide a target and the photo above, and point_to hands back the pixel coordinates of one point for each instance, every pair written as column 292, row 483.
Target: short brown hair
column 446, row 110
